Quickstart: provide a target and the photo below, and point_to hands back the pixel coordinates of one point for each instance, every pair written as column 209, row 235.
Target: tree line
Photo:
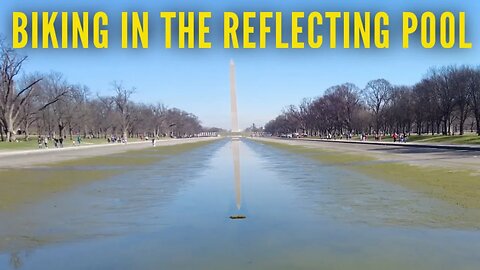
column 446, row 101
column 47, row 104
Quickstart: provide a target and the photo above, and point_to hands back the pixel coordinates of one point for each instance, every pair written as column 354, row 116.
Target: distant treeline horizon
column 446, row 101
column 47, row 104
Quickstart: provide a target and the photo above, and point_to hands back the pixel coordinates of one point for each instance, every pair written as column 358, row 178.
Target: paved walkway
column 28, row 158
column 451, row 157
column 69, row 148
column 399, row 144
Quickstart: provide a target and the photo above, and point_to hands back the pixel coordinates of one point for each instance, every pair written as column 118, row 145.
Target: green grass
column 470, row 138
column 21, row 145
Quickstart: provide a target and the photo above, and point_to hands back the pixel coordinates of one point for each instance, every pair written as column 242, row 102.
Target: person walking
column 40, row 142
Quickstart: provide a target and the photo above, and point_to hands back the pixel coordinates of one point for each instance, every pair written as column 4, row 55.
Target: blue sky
column 267, row 80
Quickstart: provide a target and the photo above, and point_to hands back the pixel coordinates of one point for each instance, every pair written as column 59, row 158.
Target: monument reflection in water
column 236, row 172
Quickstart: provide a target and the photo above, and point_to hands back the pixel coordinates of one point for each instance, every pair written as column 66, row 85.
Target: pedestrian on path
column 40, row 142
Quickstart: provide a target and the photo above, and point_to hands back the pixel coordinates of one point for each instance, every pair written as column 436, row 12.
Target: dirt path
column 419, row 156
column 29, row 158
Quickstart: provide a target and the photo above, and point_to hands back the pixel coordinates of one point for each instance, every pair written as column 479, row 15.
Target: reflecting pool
column 175, row 214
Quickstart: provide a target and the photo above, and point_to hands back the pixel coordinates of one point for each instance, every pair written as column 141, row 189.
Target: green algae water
column 174, row 213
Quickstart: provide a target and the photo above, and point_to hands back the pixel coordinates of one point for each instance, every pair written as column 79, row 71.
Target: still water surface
column 175, row 215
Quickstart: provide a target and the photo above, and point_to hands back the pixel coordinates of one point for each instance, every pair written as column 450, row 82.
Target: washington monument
column 233, row 98
column 235, row 143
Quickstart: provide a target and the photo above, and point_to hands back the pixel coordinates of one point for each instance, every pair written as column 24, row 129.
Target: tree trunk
column 462, row 123
column 60, row 130
column 11, row 134
column 27, row 133
column 477, row 117
column 445, row 124
column 463, row 118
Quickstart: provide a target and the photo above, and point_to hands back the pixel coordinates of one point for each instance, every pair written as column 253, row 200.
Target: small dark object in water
column 238, row 217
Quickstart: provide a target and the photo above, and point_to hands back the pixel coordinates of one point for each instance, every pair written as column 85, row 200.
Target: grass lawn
column 21, row 145
column 470, row 138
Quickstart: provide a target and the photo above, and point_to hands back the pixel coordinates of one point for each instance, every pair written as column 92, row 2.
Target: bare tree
column 400, row 111
column 55, row 85
column 54, row 105
column 124, row 106
column 13, row 99
column 160, row 125
column 474, row 92
column 441, row 83
column 445, row 97
column 182, row 123
column 377, row 95
column 29, row 113
column 460, row 77
column 345, row 103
